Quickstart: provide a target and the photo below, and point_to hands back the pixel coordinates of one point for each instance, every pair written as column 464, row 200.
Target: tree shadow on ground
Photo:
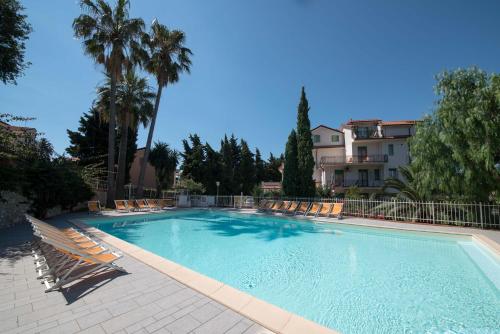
column 15, row 243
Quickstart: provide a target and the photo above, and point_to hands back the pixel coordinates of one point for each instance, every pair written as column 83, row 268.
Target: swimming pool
column 352, row 279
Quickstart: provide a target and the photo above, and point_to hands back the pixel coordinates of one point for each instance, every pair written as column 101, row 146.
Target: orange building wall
column 149, row 178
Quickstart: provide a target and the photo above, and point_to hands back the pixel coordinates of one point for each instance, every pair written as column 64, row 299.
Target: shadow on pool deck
column 15, row 244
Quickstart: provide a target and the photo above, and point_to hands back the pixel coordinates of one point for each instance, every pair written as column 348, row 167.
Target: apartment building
column 361, row 153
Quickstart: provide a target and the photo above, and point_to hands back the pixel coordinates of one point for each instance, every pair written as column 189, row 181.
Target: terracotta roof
column 353, row 121
column 407, row 122
column 326, row 127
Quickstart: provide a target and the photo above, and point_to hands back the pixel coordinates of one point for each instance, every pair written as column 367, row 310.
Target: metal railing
column 479, row 215
column 358, row 182
column 353, row 159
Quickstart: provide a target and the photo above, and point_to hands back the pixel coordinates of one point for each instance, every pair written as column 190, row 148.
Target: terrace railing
column 353, row 159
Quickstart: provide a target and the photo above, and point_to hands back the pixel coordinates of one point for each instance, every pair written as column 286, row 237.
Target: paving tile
column 183, row 325
column 67, row 328
column 92, row 319
column 220, row 323
column 206, row 312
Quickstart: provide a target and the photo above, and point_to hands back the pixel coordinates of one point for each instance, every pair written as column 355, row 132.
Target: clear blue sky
column 358, row 59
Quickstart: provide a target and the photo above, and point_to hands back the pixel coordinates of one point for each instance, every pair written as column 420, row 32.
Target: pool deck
column 157, row 296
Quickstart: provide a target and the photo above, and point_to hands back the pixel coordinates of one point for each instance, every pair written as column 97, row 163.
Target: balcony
column 367, row 133
column 362, row 183
column 353, row 159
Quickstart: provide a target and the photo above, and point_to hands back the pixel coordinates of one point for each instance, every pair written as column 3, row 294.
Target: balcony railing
column 353, row 159
column 367, row 133
column 357, row 182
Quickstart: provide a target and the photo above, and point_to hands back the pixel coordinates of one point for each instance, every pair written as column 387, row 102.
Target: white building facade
column 361, row 153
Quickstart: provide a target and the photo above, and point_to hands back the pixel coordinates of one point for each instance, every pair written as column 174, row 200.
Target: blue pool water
column 353, row 279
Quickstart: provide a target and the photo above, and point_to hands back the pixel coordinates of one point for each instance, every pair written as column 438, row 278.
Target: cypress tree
column 246, row 170
column 291, row 169
column 304, row 149
column 259, row 167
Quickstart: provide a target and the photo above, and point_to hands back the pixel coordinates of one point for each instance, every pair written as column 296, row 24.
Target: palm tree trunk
column 122, row 155
column 142, row 173
column 110, row 196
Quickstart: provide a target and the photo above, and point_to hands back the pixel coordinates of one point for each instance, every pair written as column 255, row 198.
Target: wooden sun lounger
column 269, row 204
column 285, row 206
column 313, row 209
column 131, row 205
column 303, row 207
column 291, row 209
column 65, row 259
column 121, row 205
column 142, row 205
column 325, row 210
column 153, row 204
column 276, row 206
column 94, row 207
column 337, row 210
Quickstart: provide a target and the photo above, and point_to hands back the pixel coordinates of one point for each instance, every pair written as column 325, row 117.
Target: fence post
column 481, row 214
column 433, row 214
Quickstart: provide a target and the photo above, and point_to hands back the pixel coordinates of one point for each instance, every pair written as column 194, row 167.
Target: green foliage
column 272, row 168
column 323, row 191
column 455, row 150
column 246, row 169
column 111, row 38
column 291, row 176
column 194, row 188
column 304, row 149
column 166, row 58
column 234, row 166
column 32, row 171
column 405, row 187
column 353, row 192
column 165, row 161
column 14, row 31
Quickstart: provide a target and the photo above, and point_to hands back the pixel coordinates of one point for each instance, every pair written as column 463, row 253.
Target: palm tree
column 165, row 161
column 134, row 103
column 111, row 38
column 167, row 59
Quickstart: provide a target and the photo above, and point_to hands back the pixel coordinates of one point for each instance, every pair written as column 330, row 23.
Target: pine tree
column 246, row 169
column 304, row 149
column 291, row 169
column 259, row 167
column 227, row 168
column 271, row 168
column 193, row 156
column 213, row 169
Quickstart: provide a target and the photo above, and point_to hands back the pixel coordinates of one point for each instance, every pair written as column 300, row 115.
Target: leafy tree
column 167, row 58
column 165, row 161
column 272, row 168
column 259, row 167
column 14, row 31
column 194, row 157
column 212, row 168
column 90, row 144
column 194, row 188
column 455, row 150
column 291, row 168
column 304, row 149
column 134, row 101
column 31, row 170
column 353, row 192
column 246, row 169
column 111, row 38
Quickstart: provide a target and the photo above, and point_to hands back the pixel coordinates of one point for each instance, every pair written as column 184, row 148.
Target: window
column 376, row 174
column 316, row 138
column 391, row 149
column 335, row 138
column 362, row 132
column 393, row 172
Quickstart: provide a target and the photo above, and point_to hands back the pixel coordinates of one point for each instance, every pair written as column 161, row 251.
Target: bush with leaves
column 13, row 208
column 194, row 188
